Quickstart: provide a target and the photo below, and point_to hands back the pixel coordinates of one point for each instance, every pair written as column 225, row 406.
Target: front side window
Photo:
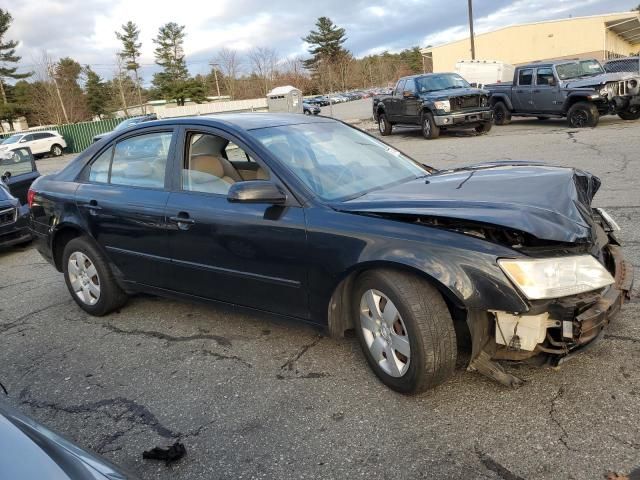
column 544, row 76
column 335, row 161
column 400, row 88
column 525, row 77
column 99, row 170
column 141, row 161
column 16, row 162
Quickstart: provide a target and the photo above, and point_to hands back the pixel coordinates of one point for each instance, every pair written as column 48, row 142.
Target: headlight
column 444, row 105
column 556, row 277
column 633, row 83
column 484, row 101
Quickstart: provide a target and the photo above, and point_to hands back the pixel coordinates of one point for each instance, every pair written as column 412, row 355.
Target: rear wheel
column 405, row 330
column 56, row 150
column 429, row 128
column 583, row 115
column 89, row 278
column 501, row 114
column 632, row 113
column 383, row 124
column 483, row 128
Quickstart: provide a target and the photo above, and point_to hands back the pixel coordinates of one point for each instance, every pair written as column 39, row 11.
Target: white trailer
column 484, row 72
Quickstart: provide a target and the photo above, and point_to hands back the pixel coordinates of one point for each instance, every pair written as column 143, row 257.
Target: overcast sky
column 84, row 29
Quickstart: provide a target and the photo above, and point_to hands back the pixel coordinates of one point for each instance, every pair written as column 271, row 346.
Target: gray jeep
column 579, row 90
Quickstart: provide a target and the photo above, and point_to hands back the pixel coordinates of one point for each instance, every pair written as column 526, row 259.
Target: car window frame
column 83, row 177
column 553, row 74
column 34, row 167
column 532, row 76
column 400, row 88
column 181, row 150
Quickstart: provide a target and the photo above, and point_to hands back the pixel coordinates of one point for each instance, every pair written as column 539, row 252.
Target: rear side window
column 525, row 77
column 139, row 161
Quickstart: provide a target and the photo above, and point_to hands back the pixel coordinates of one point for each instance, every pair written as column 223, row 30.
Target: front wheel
column 501, row 114
column 483, row 128
column 405, row 330
column 89, row 278
column 56, row 150
column 632, row 113
column 384, row 127
column 429, row 128
column 583, row 115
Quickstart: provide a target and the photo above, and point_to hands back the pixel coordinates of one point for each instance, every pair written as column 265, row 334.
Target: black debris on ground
column 170, row 454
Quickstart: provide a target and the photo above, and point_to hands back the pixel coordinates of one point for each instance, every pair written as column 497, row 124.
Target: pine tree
column 8, row 54
column 97, row 93
column 130, row 52
column 326, row 43
column 171, row 82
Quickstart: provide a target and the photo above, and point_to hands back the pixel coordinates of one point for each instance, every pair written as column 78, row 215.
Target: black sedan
column 312, row 219
column 17, row 172
column 32, row 451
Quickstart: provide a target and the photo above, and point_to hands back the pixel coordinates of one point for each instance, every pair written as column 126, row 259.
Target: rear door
column 40, row 144
column 522, row 91
column 546, row 94
column 18, row 169
column 122, row 199
column 246, row 254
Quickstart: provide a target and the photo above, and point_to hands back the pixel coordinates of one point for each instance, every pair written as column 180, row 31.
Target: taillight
column 30, row 196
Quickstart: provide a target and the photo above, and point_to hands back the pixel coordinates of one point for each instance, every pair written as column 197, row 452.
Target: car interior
column 213, row 164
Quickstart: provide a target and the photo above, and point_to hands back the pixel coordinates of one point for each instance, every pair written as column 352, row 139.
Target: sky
column 84, row 29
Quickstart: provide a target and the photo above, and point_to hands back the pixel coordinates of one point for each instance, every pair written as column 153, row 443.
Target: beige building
column 599, row 36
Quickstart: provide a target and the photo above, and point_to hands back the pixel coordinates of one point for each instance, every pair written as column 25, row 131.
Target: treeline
column 64, row 91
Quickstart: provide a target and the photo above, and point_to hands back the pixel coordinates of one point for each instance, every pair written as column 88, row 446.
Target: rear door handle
column 93, row 207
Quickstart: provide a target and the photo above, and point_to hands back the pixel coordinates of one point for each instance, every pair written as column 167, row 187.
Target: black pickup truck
column 579, row 90
column 435, row 101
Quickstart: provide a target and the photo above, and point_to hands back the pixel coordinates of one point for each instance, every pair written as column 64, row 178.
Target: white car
column 40, row 143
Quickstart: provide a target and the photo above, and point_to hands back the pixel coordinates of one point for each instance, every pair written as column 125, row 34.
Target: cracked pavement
column 253, row 396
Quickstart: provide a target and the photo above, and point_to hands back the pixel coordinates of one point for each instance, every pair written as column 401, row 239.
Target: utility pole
column 215, row 75
column 473, row 45
column 52, row 74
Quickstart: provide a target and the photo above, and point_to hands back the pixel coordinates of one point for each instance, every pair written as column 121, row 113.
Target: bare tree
column 264, row 62
column 229, row 63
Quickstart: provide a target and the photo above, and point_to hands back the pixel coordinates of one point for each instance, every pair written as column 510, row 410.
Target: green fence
column 78, row 135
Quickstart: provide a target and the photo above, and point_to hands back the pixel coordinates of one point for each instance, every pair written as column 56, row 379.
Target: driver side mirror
column 408, row 94
column 23, row 140
column 551, row 81
column 256, row 191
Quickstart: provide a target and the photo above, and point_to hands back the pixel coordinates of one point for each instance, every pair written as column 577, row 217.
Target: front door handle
column 93, row 207
column 183, row 220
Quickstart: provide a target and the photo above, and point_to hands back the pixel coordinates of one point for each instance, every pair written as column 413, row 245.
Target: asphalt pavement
column 253, row 396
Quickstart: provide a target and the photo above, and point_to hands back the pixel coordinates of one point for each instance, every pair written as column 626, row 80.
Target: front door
column 122, row 200
column 546, row 95
column 246, row 254
column 18, row 170
column 521, row 98
column 410, row 102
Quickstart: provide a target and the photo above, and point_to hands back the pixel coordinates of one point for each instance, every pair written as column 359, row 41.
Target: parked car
column 436, row 101
column 321, row 101
column 318, row 221
column 627, row 64
column 32, row 451
column 579, row 90
column 309, row 109
column 17, row 172
column 129, row 122
column 48, row 142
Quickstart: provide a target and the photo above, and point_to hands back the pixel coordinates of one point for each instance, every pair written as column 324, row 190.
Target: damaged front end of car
column 567, row 264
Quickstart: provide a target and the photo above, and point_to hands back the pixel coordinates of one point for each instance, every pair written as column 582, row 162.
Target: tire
column 484, row 128
column 501, row 114
column 423, row 324
column 56, row 150
column 307, row 112
column 384, row 127
column 582, row 115
column 430, row 130
column 109, row 295
column 632, row 113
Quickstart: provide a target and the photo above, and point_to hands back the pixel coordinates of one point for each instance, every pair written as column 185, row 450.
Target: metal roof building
column 598, row 36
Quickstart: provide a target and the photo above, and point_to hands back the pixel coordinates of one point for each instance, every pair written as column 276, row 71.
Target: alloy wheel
column 84, row 278
column 57, row 151
column 385, row 333
column 426, row 126
column 579, row 118
column 382, row 125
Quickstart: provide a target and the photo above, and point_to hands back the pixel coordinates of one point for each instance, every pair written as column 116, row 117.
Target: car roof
column 241, row 121
column 554, row 63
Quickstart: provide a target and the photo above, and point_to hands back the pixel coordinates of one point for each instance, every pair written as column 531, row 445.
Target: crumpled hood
column 599, row 80
column 550, row 203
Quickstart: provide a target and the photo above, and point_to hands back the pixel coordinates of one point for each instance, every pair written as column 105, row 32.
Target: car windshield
column 584, row 68
column 11, row 139
column 338, row 162
column 445, row 81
